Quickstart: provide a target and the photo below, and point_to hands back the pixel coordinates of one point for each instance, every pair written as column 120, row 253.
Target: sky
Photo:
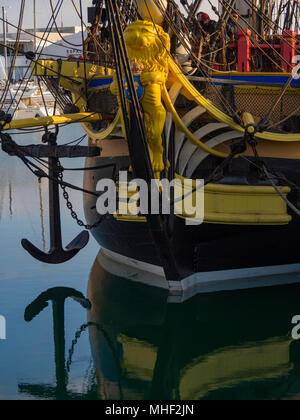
column 68, row 15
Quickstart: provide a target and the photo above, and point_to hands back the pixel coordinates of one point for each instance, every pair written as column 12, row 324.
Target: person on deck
column 232, row 27
column 208, row 25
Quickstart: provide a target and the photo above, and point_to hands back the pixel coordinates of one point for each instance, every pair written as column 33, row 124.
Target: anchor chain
column 69, row 205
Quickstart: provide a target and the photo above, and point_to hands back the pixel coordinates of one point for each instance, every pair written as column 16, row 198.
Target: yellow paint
column 72, row 76
column 249, row 122
column 253, row 73
column 280, row 150
column 115, row 91
column 53, row 120
column 97, row 136
column 191, row 93
column 230, row 366
column 223, row 204
column 149, row 10
column 130, row 218
column 265, row 90
column 245, row 205
column 69, row 69
column 182, row 127
column 225, row 367
column 148, row 49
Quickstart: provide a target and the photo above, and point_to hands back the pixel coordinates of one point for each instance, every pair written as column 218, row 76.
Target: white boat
column 29, row 102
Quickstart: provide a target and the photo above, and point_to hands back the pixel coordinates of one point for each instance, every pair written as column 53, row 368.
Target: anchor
column 57, row 254
column 57, row 296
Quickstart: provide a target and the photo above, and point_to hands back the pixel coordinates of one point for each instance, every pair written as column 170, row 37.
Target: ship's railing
column 287, row 45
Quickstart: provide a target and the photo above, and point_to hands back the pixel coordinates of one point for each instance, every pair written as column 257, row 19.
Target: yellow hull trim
column 182, row 127
column 232, row 205
column 97, row 136
column 191, row 93
column 51, row 68
column 69, row 69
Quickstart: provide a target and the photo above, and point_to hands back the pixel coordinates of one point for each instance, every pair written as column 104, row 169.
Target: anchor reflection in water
column 233, row 345
column 58, row 297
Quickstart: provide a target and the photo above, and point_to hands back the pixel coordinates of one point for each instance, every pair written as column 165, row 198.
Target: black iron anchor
column 57, row 254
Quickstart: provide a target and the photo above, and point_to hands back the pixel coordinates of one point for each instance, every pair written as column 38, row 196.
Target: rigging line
column 198, row 25
column 128, row 74
column 285, row 40
column 184, row 26
column 58, row 30
column 122, row 51
column 253, row 41
column 198, row 61
column 271, row 178
column 44, row 163
column 9, row 77
column 58, row 7
column 42, row 173
column 25, row 87
column 284, row 88
column 88, row 30
column 277, row 101
column 275, row 124
column 21, row 15
column 221, row 27
column 92, row 168
column 44, row 66
column 118, row 73
column 80, row 140
column 52, row 70
column 222, row 98
column 43, row 97
column 40, row 38
column 45, row 40
column 83, row 51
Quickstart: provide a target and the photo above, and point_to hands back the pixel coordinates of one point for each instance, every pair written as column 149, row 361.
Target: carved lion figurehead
column 148, row 45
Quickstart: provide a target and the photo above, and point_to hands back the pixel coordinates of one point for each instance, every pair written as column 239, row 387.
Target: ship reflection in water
column 233, row 345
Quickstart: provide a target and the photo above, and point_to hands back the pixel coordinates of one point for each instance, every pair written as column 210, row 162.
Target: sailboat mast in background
column 4, row 17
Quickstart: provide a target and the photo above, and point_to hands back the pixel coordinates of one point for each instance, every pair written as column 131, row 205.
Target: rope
column 58, row 7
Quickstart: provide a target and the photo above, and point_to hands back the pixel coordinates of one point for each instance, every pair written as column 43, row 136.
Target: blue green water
column 132, row 343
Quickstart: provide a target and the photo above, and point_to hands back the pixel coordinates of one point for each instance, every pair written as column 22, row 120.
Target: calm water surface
column 132, row 343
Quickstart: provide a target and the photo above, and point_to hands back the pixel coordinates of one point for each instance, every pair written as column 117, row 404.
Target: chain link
column 69, row 205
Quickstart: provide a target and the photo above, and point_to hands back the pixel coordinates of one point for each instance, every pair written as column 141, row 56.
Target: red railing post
column 288, row 50
column 244, row 51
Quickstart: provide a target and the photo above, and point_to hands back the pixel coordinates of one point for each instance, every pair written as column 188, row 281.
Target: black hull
column 207, row 247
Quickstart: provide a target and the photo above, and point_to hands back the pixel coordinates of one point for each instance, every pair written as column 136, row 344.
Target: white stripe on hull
column 209, row 282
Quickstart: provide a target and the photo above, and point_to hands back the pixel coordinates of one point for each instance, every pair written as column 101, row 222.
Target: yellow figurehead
column 149, row 51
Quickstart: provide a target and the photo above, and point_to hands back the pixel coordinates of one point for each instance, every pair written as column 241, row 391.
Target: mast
column 34, row 34
column 4, row 16
column 149, row 10
column 194, row 8
column 34, row 26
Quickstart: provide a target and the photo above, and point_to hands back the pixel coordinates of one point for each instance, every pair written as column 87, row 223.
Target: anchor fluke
column 57, row 255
